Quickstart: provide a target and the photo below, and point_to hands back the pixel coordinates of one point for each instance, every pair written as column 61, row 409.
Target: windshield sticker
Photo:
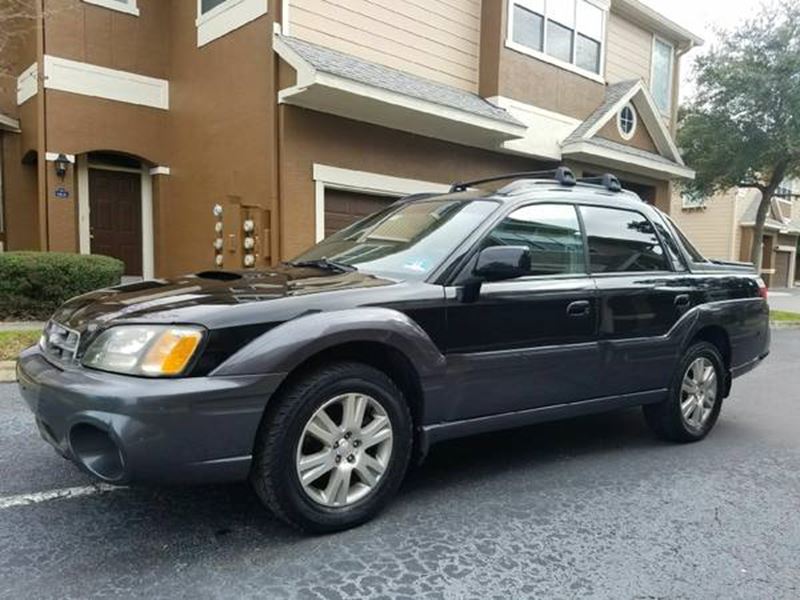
column 417, row 266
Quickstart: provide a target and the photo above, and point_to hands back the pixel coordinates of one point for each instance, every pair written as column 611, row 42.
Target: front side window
column 406, row 241
column 552, row 233
column 569, row 31
column 622, row 241
column 661, row 86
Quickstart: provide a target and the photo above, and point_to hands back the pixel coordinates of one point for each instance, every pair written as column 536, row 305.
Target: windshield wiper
column 324, row 263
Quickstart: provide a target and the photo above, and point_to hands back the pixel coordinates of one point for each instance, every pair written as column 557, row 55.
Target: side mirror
column 498, row 263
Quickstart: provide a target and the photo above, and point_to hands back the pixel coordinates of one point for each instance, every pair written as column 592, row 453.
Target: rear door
column 529, row 342
column 643, row 290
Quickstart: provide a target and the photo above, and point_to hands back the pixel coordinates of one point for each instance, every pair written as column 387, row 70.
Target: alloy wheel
column 698, row 393
column 344, row 450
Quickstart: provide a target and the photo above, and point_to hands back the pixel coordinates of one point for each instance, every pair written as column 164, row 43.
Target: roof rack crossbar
column 562, row 175
column 608, row 181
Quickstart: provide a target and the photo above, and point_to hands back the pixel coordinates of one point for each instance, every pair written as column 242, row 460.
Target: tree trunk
column 757, row 251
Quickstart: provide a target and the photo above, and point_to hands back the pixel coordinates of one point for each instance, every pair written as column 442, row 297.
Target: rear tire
column 324, row 486
column 695, row 397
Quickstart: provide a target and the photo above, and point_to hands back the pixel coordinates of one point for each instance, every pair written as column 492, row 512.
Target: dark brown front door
column 115, row 200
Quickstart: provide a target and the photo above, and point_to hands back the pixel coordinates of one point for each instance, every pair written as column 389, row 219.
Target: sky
column 702, row 17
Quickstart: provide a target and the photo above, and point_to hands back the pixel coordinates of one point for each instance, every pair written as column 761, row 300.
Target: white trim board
column 349, row 180
column 227, row 17
column 101, row 82
column 593, row 154
column 124, row 6
column 9, row 124
column 28, row 83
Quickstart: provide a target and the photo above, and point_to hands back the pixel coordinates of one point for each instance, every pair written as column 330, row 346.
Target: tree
column 742, row 127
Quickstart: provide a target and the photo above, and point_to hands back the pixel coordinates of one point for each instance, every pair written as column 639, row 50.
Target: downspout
column 41, row 118
column 276, row 230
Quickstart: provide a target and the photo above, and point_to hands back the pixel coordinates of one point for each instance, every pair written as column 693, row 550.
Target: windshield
column 404, row 241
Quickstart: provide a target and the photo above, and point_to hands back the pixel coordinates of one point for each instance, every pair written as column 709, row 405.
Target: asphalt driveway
column 593, row 508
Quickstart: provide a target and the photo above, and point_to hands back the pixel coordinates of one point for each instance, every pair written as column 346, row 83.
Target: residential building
column 176, row 134
column 722, row 228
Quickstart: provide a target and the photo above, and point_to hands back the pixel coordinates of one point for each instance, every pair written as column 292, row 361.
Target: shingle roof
column 369, row 73
column 614, row 93
column 749, row 216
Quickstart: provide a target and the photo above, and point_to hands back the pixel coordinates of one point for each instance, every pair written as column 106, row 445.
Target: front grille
column 59, row 342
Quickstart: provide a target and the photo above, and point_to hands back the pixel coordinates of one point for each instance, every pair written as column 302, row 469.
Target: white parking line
column 73, row 492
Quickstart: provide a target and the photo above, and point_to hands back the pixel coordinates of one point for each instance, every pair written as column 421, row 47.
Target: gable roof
column 772, row 222
column 583, row 142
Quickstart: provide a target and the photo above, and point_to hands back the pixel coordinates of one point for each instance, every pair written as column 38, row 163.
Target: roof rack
column 608, row 181
column 562, row 175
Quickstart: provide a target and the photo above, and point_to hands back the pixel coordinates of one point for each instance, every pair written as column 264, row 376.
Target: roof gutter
column 643, row 14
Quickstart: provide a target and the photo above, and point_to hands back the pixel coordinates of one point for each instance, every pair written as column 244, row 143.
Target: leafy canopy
column 742, row 128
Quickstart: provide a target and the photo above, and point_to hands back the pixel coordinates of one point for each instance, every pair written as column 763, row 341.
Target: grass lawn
column 782, row 316
column 14, row 342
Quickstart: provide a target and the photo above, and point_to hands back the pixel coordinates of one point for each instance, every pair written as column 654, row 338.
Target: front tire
column 333, row 449
column 695, row 397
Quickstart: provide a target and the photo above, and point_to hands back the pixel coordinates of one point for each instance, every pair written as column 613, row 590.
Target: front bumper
column 122, row 429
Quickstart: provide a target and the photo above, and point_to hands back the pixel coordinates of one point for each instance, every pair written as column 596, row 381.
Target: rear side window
column 622, row 241
column 551, row 231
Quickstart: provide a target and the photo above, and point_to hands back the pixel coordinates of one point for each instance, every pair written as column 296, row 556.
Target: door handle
column 580, row 308
column 682, row 300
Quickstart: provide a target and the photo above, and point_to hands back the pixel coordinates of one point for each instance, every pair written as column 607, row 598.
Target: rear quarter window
column 622, row 241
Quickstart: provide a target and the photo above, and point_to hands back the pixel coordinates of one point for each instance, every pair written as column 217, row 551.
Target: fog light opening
column 97, row 452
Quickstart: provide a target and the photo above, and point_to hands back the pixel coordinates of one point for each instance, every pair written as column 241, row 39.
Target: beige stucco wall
column 437, row 40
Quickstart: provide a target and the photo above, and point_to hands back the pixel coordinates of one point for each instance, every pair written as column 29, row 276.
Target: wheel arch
column 718, row 336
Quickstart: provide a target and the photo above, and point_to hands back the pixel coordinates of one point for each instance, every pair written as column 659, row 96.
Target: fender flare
column 283, row 348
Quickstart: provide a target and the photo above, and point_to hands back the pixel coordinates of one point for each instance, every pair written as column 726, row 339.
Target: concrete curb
column 8, row 371
column 21, row 325
column 785, row 325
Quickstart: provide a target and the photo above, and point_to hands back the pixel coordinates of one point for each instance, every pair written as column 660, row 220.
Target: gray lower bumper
column 199, row 430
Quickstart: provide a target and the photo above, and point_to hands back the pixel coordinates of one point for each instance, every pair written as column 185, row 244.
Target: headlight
column 151, row 351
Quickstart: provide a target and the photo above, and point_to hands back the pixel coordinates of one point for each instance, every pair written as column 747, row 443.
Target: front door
column 529, row 342
column 115, row 205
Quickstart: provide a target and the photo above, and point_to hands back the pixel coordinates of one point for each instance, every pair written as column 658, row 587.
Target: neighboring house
column 132, row 119
column 722, row 228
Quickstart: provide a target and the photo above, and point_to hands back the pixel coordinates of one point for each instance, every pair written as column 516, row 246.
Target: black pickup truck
column 441, row 316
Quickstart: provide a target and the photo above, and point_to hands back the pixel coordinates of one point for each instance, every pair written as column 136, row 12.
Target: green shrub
column 34, row 284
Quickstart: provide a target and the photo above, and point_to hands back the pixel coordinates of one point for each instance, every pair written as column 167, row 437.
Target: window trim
column 670, row 267
column 627, row 136
column 124, row 6
column 226, row 17
column 657, row 38
column 543, row 56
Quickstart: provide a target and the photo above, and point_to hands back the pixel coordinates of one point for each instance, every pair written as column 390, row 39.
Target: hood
column 199, row 297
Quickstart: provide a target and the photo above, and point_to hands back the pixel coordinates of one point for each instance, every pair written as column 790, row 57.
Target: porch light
column 61, row 164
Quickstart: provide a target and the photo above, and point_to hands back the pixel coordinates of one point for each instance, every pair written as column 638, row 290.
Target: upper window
column 552, row 233
column 622, row 241
column 626, row 122
column 126, row 6
column 661, row 80
column 566, row 32
column 216, row 18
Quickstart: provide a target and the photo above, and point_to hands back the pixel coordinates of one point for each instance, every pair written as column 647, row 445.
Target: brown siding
column 309, row 137
column 641, row 138
column 435, row 39
column 536, row 82
column 220, row 135
column 109, row 38
column 20, row 196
